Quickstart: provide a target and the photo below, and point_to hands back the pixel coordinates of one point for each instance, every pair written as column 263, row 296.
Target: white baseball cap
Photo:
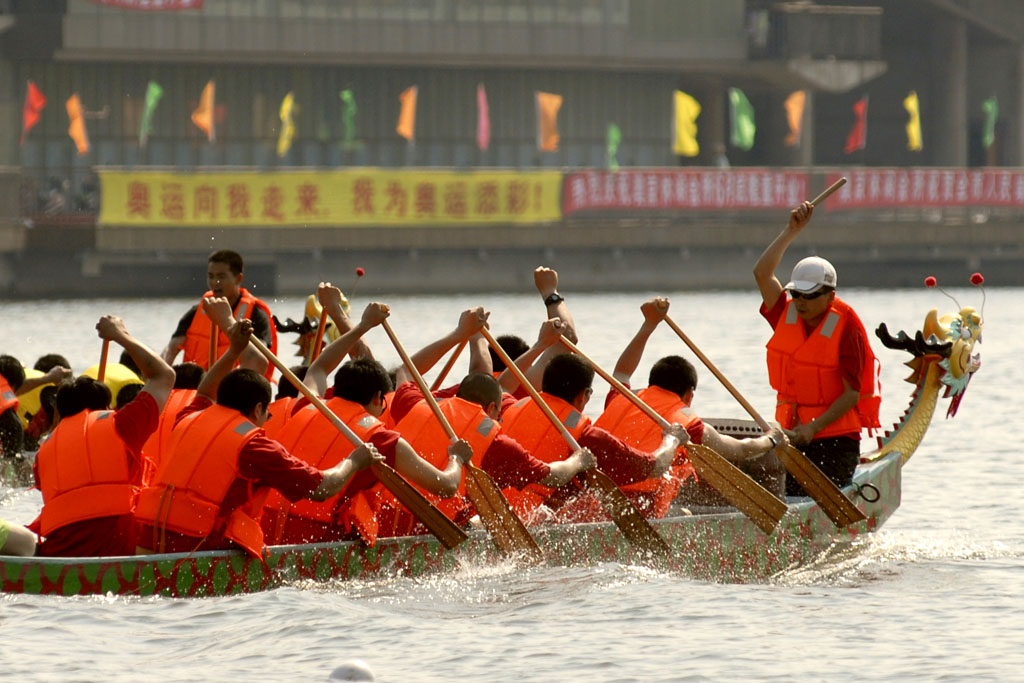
column 812, row 273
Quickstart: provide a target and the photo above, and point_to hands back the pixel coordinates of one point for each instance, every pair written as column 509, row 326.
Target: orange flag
column 77, row 128
column 548, row 105
column 203, row 115
column 795, row 115
column 407, row 117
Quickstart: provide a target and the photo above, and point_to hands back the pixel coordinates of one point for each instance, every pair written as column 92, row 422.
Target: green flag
column 742, row 117
column 348, row 117
column 614, row 138
column 153, row 94
column 988, row 131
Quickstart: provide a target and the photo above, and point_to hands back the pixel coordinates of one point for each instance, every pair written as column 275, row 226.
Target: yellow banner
column 353, row 198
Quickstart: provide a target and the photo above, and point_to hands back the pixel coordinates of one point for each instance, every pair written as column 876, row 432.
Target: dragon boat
column 717, row 544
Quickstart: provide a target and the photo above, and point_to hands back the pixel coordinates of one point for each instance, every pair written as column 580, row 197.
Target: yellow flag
column 914, row 123
column 548, row 105
column 284, row 140
column 77, row 128
column 407, row 117
column 203, row 115
column 795, row 116
column 684, row 135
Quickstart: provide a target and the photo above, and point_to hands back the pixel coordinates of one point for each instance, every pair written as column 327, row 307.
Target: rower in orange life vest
column 359, row 389
column 473, row 408
column 90, row 467
column 186, row 380
column 820, row 362
column 224, row 277
column 669, row 392
column 209, row 492
column 566, row 388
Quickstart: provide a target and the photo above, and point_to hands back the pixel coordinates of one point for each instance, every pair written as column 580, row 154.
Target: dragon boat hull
column 716, row 547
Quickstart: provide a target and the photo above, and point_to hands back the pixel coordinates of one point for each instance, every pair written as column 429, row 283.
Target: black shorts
column 836, row 457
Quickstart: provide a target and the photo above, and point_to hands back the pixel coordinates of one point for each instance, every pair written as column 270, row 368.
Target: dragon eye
column 965, row 334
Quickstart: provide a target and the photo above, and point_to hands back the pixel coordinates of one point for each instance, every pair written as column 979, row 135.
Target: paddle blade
column 436, row 522
column 823, row 490
column 508, row 531
column 749, row 497
column 633, row 525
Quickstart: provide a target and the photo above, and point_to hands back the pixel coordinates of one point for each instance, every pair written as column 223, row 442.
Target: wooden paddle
column 823, row 490
column 828, row 191
column 320, row 329
column 102, row 372
column 436, row 522
column 508, row 531
column 448, row 366
column 214, row 333
column 627, row 518
column 752, row 499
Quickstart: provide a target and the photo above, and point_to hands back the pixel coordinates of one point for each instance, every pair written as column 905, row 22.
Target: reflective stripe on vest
column 84, row 471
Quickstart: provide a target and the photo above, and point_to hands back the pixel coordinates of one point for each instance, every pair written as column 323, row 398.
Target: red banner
column 152, row 5
column 927, row 187
column 672, row 190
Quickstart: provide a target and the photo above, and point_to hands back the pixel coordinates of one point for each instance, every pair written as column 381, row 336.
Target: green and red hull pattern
column 715, row 547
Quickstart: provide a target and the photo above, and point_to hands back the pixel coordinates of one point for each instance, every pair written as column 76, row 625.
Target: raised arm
column 158, row 374
column 764, row 269
column 316, row 376
column 550, row 331
column 56, row 375
column 479, row 355
column 654, row 312
column 330, row 298
column 238, row 333
column 546, row 280
column 470, row 322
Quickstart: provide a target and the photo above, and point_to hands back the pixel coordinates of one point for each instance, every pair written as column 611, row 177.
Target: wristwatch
column 553, row 299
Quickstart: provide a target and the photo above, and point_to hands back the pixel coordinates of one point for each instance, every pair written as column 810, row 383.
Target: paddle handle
column 102, row 372
column 534, row 394
column 306, row 391
column 214, row 332
column 420, row 382
column 619, row 386
column 320, row 329
column 717, row 373
column 448, row 366
column 828, row 191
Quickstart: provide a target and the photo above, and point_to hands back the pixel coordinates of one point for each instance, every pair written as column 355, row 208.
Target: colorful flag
column 614, row 138
column 988, row 130
column 548, row 105
column 203, row 115
column 407, row 117
column 795, row 116
column 34, row 103
column 284, row 139
column 684, row 125
column 348, row 117
column 483, row 119
column 77, row 128
column 153, row 94
column 741, row 114
column 858, row 137
column 153, row 5
column 910, row 103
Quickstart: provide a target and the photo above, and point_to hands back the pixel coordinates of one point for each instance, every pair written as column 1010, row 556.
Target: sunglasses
column 809, row 297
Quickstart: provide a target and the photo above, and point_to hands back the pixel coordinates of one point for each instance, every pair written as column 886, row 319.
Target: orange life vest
column 311, row 437
column 156, row 446
column 280, row 412
column 197, row 338
column 804, row 371
column 84, row 471
column 525, row 422
column 190, row 485
column 630, row 424
column 8, row 399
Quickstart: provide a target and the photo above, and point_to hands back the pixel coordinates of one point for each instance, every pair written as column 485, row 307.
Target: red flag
column 483, row 119
column 858, row 137
column 34, row 103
